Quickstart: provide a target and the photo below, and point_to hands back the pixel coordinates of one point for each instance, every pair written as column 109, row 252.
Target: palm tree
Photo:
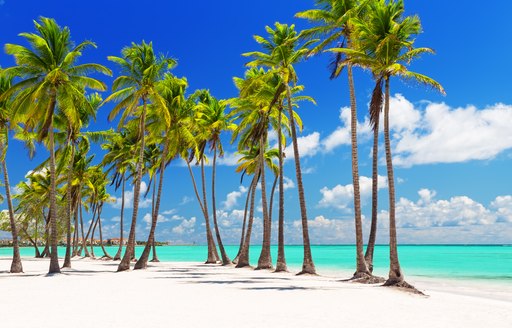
column 334, row 23
column 386, row 47
column 143, row 70
column 212, row 120
column 5, row 84
column 284, row 51
column 50, row 81
column 172, row 134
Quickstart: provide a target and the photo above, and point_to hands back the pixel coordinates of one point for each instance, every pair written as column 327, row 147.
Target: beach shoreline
column 191, row 294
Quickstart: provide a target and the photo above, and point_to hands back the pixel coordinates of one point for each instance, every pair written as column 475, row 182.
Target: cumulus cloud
column 456, row 211
column 442, row 134
column 308, row 146
column 341, row 196
column 341, row 136
column 503, row 207
column 147, row 218
column 186, row 226
column 128, row 198
column 186, row 200
column 232, row 197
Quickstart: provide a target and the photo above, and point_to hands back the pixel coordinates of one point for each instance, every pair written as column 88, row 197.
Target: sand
column 172, row 294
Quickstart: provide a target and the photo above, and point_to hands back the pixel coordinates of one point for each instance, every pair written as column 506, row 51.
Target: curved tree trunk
column 212, row 250
column 16, row 266
column 34, row 243
column 105, row 253
column 243, row 259
column 54, row 256
column 207, row 217
column 77, row 228
column 84, row 238
column 67, row 257
column 225, row 257
column 121, row 223
column 130, row 248
column 142, row 263
column 281, row 261
column 361, row 268
column 94, row 224
column 375, row 190
column 265, row 260
column 395, row 273
column 242, row 236
column 308, row 267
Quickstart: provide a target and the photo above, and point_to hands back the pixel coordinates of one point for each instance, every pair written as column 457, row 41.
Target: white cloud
column 288, row 183
column 229, row 159
column 169, row 212
column 308, row 146
column 128, row 198
column 116, row 219
column 341, row 196
column 442, row 134
column 186, row 226
column 232, row 197
column 456, row 211
column 147, row 218
column 341, row 136
column 503, row 207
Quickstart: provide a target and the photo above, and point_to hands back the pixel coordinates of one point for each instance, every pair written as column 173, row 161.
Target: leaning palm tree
column 333, row 22
column 284, row 50
column 142, row 71
column 170, row 135
column 50, row 81
column 386, row 47
column 5, row 84
column 212, row 120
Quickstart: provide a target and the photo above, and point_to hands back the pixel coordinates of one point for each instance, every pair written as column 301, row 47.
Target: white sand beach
column 173, row 294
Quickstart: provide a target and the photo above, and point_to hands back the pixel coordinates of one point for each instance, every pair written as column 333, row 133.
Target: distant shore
column 185, row 294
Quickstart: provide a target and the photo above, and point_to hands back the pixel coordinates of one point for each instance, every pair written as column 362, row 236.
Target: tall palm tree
column 142, row 71
column 284, row 50
column 386, row 47
column 50, row 80
column 172, row 135
column 5, row 84
column 212, row 119
column 334, row 24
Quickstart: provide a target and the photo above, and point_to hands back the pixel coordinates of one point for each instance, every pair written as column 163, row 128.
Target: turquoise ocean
column 473, row 262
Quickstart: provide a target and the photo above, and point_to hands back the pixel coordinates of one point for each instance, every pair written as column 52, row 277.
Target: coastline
column 191, row 294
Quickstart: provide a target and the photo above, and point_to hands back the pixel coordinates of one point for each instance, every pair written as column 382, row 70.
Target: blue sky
column 452, row 153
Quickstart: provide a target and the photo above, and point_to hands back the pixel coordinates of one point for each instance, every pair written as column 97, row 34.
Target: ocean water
column 474, row 262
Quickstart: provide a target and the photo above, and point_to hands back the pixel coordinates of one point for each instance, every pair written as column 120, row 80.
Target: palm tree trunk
column 121, row 223
column 34, row 243
column 395, row 273
column 281, row 261
column 265, row 260
column 205, row 206
column 16, row 266
column 142, row 263
column 243, row 259
column 213, row 256
column 225, row 257
column 375, row 190
column 155, row 257
column 361, row 268
column 54, row 256
column 77, row 228
column 242, row 236
column 94, row 224
column 84, row 238
column 130, row 248
column 67, row 257
column 105, row 253
column 308, row 267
